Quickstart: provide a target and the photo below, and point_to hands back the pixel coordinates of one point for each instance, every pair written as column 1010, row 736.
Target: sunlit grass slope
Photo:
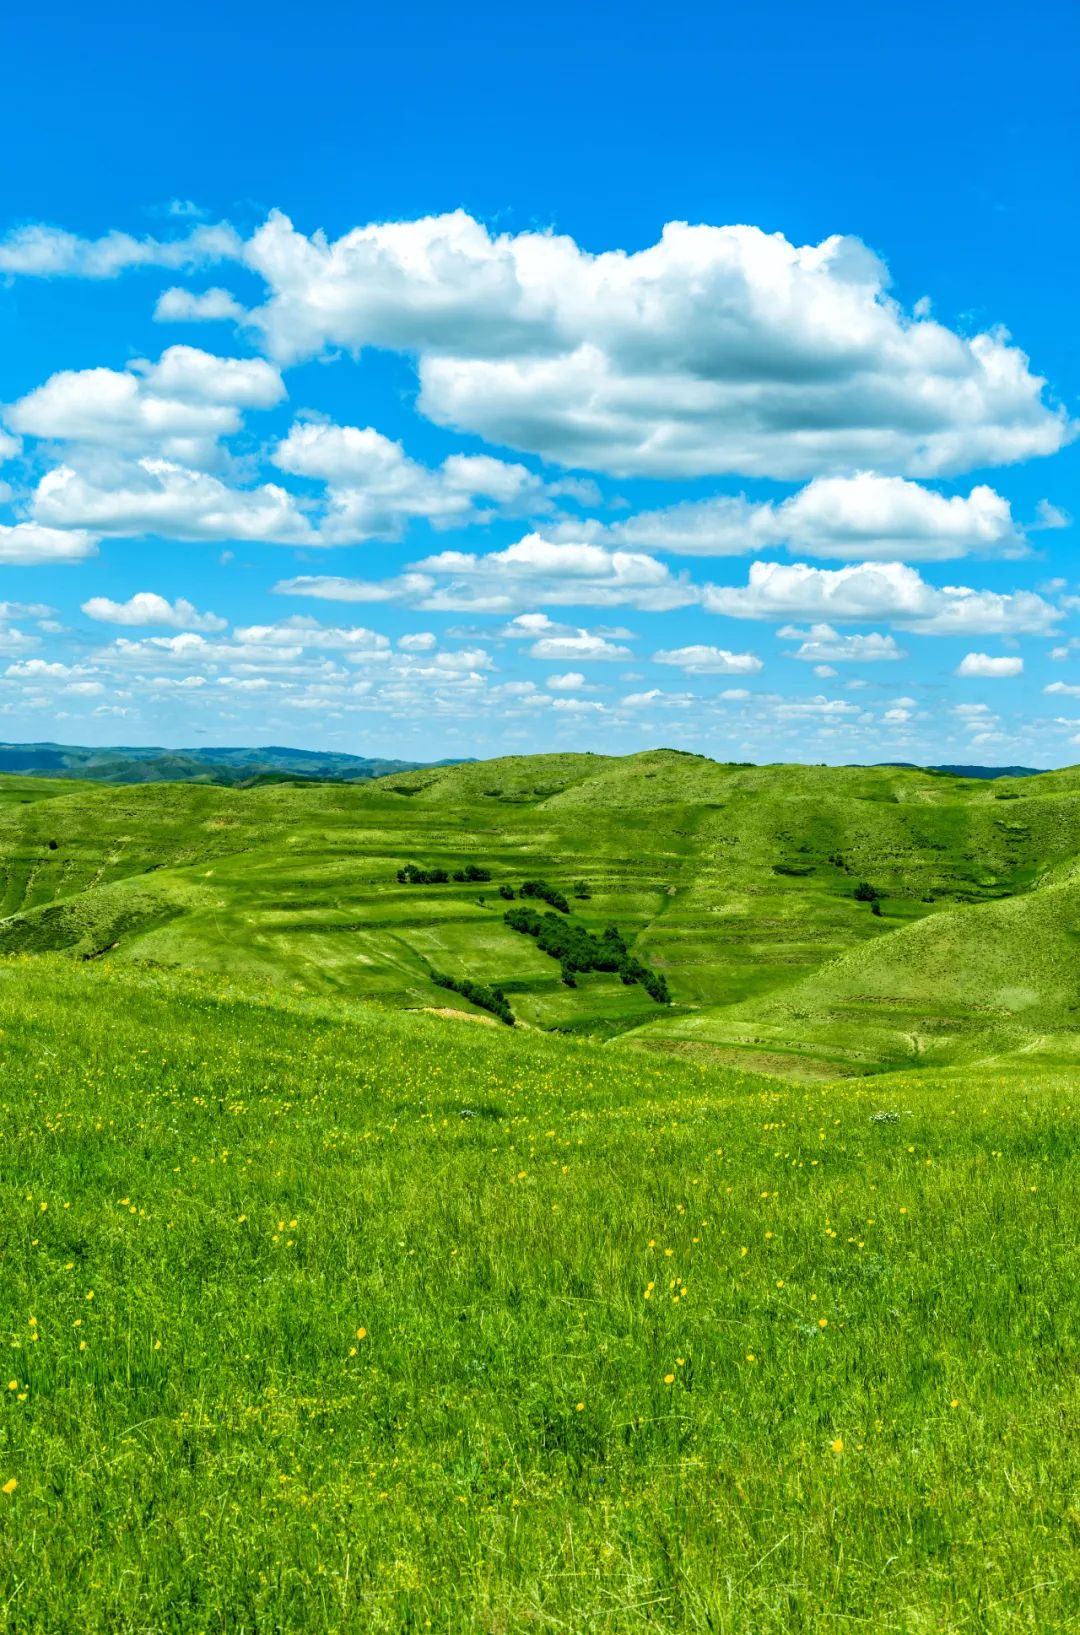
column 735, row 882
column 321, row 1317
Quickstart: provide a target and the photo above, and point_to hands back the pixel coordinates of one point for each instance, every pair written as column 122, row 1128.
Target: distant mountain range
column 272, row 764
column 972, row 771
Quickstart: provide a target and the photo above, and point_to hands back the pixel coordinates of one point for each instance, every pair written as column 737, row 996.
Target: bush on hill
column 866, row 893
column 578, row 950
column 546, row 893
column 477, row 993
column 413, row 875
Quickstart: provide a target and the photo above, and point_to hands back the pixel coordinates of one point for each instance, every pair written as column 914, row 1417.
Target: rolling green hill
column 735, row 882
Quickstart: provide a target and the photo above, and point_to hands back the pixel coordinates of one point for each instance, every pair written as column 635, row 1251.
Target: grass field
column 735, row 882
column 322, row 1317
column 325, row 1314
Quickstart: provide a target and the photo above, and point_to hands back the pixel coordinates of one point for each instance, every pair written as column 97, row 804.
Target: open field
column 322, row 1313
column 323, row 1317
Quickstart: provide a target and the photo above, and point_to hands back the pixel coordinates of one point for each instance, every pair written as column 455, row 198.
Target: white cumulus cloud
column 155, row 496
column 26, row 544
column 822, row 644
column 180, row 406
column 981, row 664
column 146, row 607
column 185, row 306
column 866, row 516
column 891, row 591
column 705, row 660
column 717, row 349
column 582, row 646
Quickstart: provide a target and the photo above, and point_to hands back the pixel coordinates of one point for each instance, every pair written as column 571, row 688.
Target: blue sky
column 463, row 382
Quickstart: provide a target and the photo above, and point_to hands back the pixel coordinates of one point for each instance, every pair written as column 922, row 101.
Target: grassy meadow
column 323, row 1311
column 735, row 882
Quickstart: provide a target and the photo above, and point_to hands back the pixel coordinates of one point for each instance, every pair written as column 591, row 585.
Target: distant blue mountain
column 124, row 764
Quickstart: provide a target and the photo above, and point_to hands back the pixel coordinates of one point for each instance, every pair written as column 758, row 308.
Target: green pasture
column 322, row 1316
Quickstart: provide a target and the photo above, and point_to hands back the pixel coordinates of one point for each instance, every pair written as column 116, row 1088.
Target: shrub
column 546, row 893
column 865, row 893
column 413, row 875
column 479, row 994
column 578, row 950
column 581, row 890
column 507, row 892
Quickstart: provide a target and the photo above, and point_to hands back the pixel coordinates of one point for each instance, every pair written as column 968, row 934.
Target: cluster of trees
column 478, row 993
column 546, row 893
column 413, row 875
column 866, row 893
column 578, row 950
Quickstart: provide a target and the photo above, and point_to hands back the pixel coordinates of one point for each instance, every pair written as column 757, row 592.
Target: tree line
column 479, row 994
column 577, row 950
column 413, row 875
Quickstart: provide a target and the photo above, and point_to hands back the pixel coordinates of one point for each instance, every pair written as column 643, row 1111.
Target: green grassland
column 735, row 882
column 323, row 1316
column 750, row 1314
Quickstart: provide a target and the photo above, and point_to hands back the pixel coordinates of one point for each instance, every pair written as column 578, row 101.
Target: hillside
column 734, row 882
column 320, row 1317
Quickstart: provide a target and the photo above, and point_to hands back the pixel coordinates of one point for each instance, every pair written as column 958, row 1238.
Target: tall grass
column 320, row 1317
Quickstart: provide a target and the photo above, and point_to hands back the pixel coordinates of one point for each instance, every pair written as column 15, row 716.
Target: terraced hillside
column 737, row 883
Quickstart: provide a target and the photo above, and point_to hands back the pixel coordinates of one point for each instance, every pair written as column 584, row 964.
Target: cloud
column 27, row 544
column 530, row 627
column 154, row 496
column 584, row 646
column 570, row 682
column 186, row 307
column 879, row 590
column 180, row 406
column 702, row 661
column 13, row 640
column 1064, row 688
column 147, row 608
column 10, row 447
column 865, row 516
column 375, row 489
column 870, row 517
column 717, row 349
column 408, row 587
column 531, row 570
column 656, row 698
column 305, row 633
column 421, row 641
column 822, row 643
column 49, row 252
column 1050, row 516
column 574, row 574
column 43, row 670
column 981, row 664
